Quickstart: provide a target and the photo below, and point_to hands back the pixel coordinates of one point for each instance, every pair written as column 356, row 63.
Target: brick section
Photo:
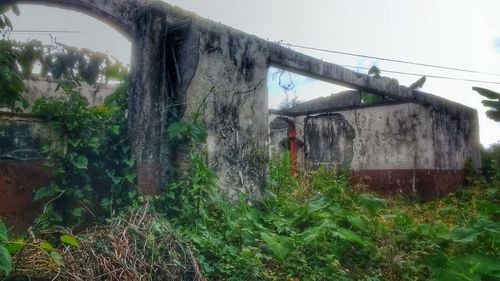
column 426, row 184
column 18, row 180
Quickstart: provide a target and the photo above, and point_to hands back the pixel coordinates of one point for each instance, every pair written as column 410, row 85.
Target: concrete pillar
column 149, row 100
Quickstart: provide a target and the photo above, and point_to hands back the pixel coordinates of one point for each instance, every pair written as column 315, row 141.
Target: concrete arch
column 116, row 13
column 176, row 57
column 162, row 66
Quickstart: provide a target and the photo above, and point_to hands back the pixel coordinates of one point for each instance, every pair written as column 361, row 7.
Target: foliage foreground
column 313, row 227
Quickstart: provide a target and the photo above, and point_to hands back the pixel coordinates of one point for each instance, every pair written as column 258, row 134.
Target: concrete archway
column 160, row 71
column 177, row 57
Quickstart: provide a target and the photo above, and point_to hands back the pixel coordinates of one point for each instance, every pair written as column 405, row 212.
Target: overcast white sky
column 453, row 33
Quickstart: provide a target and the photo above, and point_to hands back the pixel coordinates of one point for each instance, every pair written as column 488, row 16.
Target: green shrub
column 490, row 164
column 5, row 259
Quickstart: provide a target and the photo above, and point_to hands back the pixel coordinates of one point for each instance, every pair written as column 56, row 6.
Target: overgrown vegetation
column 316, row 228
column 313, row 226
column 309, row 227
column 69, row 65
column 92, row 167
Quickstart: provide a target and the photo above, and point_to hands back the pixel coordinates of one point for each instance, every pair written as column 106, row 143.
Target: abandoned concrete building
column 391, row 147
column 417, row 143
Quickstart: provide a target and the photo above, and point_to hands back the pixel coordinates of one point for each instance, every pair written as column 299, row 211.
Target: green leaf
column 77, row 212
column 374, row 71
column 465, row 235
column 349, row 235
column 14, row 247
column 358, row 223
column 80, row 162
column 3, row 233
column 44, row 245
column 318, row 203
column 5, row 260
column 418, row 84
column 371, row 203
column 493, row 114
column 15, row 9
column 7, row 22
column 70, row 240
column 115, row 129
column 105, row 203
column 490, row 103
column 465, row 267
column 45, row 192
column 486, row 93
column 369, row 98
column 176, row 130
column 4, row 8
column 57, row 258
column 130, row 177
column 130, row 162
column 280, row 246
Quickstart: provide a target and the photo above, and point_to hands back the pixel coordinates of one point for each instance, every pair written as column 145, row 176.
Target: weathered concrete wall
column 329, row 140
column 230, row 86
column 391, row 136
column 395, row 148
column 177, row 57
column 21, row 167
column 41, row 87
column 455, row 136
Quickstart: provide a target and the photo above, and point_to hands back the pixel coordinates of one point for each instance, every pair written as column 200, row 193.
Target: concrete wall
column 177, row 57
column 41, row 87
column 37, row 87
column 230, row 86
column 403, row 148
column 21, row 167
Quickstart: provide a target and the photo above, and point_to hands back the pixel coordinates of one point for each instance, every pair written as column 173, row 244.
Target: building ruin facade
column 392, row 147
column 180, row 60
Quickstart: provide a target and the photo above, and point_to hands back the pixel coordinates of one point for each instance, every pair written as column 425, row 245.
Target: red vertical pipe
column 293, row 150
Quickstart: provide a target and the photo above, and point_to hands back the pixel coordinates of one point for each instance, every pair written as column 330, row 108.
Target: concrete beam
column 291, row 60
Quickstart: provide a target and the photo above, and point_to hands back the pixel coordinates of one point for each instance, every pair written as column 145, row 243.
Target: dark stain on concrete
column 329, row 139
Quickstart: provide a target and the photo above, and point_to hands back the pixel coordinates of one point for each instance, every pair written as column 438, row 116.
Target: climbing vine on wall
column 70, row 66
column 91, row 166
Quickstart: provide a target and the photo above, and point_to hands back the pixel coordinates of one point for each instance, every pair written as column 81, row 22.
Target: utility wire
column 419, row 74
column 46, row 31
column 339, row 52
column 387, row 59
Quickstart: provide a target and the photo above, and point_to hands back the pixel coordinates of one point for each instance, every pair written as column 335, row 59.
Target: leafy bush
column 5, row 259
column 314, row 227
column 91, row 165
column 69, row 65
column 490, row 164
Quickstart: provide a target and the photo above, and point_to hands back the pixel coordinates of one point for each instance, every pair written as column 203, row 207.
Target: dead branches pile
column 141, row 246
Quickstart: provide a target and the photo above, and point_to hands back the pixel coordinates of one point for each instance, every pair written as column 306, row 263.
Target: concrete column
column 149, row 100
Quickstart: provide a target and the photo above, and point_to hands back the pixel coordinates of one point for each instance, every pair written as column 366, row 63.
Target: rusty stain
column 18, row 180
column 426, row 184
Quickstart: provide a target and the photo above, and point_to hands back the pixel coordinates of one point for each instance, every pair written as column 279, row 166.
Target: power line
column 419, row 74
column 339, row 52
column 387, row 59
column 46, row 31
